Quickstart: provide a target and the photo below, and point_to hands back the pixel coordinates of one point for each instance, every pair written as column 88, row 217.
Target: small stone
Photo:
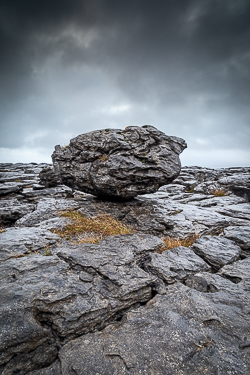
column 240, row 235
column 217, row 251
column 238, row 272
column 10, row 187
column 177, row 264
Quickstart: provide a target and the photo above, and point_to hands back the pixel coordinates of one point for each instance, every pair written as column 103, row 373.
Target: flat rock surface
column 242, row 211
column 17, row 242
column 184, row 332
column 47, row 208
column 126, row 305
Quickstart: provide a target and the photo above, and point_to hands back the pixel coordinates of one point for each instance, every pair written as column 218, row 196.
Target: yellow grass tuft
column 103, row 157
column 191, row 189
column 171, row 243
column 218, row 193
column 64, row 147
column 2, row 229
column 90, row 230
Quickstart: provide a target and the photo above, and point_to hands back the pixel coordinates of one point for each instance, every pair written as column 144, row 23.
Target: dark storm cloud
column 69, row 66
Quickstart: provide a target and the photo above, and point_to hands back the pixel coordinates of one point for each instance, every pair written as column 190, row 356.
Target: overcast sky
column 71, row 66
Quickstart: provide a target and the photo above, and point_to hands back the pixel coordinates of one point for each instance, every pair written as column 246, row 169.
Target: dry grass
column 90, row 230
column 64, row 147
column 103, row 157
column 191, row 189
column 175, row 212
column 218, row 193
column 171, row 243
column 2, row 229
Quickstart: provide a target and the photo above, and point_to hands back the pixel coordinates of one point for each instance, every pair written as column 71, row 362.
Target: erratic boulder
column 119, row 163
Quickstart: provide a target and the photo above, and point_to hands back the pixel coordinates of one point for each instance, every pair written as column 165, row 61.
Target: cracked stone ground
column 123, row 306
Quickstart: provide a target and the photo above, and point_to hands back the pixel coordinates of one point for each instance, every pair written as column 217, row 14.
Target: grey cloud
column 72, row 66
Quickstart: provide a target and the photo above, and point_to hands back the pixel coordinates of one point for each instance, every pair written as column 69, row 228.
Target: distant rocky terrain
column 122, row 306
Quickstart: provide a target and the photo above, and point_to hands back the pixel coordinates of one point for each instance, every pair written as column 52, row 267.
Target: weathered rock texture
column 118, row 163
column 120, row 307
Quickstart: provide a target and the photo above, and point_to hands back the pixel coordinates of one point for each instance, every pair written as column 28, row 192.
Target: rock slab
column 183, row 332
column 217, row 251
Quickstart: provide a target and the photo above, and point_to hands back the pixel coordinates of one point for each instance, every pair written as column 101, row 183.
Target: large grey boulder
column 119, row 163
